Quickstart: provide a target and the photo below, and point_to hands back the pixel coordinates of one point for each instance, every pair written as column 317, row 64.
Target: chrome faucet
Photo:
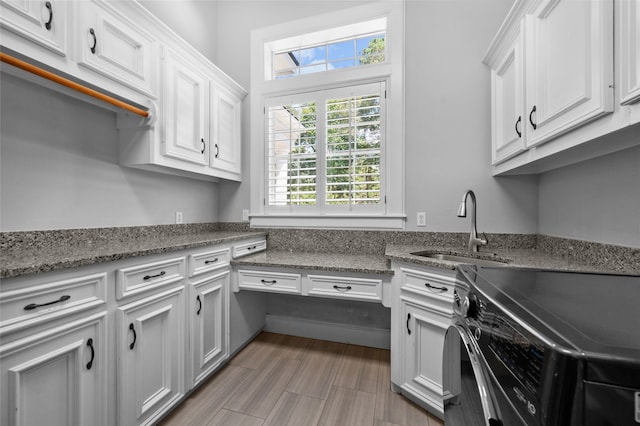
column 474, row 241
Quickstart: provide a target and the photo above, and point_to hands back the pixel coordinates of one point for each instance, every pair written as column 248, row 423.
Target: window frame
column 390, row 73
column 322, row 96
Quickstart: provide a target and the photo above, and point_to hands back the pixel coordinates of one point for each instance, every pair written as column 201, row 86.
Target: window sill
column 329, row 221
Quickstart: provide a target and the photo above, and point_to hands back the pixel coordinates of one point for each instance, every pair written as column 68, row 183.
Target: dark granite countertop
column 32, row 252
column 528, row 258
column 339, row 262
column 19, row 258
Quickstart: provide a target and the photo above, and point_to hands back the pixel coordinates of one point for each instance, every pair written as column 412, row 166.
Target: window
column 356, row 51
column 325, row 150
column 327, row 143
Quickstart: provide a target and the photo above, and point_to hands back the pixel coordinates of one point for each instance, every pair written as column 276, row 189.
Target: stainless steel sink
column 455, row 258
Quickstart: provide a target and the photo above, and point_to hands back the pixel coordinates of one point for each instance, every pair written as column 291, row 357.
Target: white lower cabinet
column 150, row 356
column 58, row 376
column 209, row 324
column 422, row 312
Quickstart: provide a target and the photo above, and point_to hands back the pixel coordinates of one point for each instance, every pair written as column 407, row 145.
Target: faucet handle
column 484, row 241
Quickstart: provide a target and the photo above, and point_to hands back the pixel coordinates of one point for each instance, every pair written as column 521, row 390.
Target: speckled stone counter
column 31, row 252
column 360, row 263
column 612, row 261
column 25, row 253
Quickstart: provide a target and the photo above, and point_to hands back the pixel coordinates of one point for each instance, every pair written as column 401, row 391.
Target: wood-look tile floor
column 281, row 380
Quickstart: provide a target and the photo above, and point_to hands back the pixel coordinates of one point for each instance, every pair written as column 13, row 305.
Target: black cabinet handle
column 206, row 262
column 517, row 126
column 217, row 150
column 200, row 305
column 252, row 248
column 33, row 306
column 135, row 336
column 535, row 126
column 345, row 288
column 148, row 277
column 265, row 282
column 95, row 40
column 204, row 146
column 47, row 24
column 93, row 353
column 408, row 319
column 436, row 288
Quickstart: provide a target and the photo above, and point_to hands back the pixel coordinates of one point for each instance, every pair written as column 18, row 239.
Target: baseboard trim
column 334, row 332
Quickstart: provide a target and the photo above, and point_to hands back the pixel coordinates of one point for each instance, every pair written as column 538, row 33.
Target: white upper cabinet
column 42, row 23
column 555, row 96
column 111, row 44
column 507, row 79
column 186, row 109
column 629, row 20
column 191, row 118
column 225, row 131
column 569, row 71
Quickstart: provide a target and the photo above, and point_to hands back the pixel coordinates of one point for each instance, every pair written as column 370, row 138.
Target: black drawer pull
column 252, row 248
column 436, row 288
column 342, row 288
column 135, row 336
column 535, row 125
column 93, row 353
column 33, row 306
column 95, row 40
column 408, row 319
column 206, row 262
column 199, row 305
column 148, row 277
column 47, row 24
column 265, row 282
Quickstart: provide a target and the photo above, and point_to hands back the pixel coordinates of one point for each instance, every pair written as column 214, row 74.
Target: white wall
column 596, row 200
column 59, row 169
column 447, row 109
column 193, row 20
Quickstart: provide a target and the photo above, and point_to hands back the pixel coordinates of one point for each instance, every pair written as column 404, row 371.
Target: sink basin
column 455, row 258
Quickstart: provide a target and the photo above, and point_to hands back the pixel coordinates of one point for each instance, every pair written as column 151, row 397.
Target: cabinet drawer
column 345, row 288
column 207, row 261
column 249, row 248
column 433, row 286
column 35, row 304
column 148, row 276
column 276, row 282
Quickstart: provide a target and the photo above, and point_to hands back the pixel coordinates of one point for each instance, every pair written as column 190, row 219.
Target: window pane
column 370, row 49
column 342, row 50
column 329, row 56
column 353, row 150
column 292, row 155
column 313, row 55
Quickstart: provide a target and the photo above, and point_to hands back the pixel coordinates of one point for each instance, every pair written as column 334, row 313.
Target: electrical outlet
column 179, row 218
column 245, row 215
column 421, row 218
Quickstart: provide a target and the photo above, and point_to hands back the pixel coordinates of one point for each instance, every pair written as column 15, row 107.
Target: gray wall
column 59, row 169
column 447, row 109
column 596, row 200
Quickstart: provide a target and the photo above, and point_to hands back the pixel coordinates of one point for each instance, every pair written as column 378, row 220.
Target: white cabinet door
column 209, row 324
column 57, row 377
column 186, row 109
column 41, row 22
column 114, row 46
column 225, row 131
column 150, row 345
column 508, row 130
column 422, row 350
column 569, row 69
column 629, row 14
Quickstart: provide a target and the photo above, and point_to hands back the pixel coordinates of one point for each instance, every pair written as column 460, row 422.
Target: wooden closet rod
column 71, row 84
